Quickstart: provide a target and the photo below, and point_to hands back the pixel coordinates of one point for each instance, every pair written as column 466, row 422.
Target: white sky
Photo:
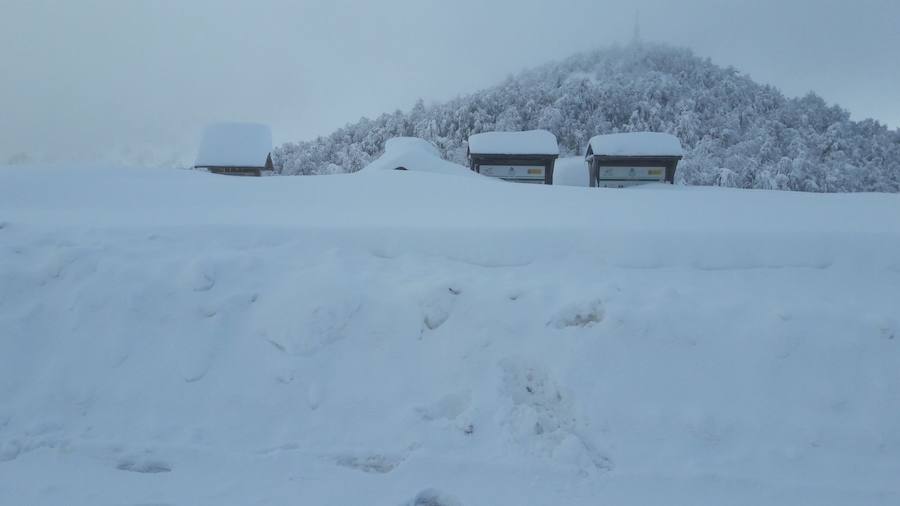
column 81, row 79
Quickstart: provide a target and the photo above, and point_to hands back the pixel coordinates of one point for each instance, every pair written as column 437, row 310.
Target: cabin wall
column 620, row 172
column 236, row 171
column 512, row 168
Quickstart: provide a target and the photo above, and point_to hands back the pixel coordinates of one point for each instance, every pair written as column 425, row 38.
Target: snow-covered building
column 524, row 157
column 628, row 159
column 414, row 154
column 236, row 149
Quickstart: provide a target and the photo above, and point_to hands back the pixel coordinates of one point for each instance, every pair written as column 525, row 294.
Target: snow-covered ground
column 403, row 337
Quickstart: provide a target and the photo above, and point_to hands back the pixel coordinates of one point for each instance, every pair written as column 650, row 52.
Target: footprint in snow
column 433, row 497
column 201, row 276
column 372, row 463
column 143, row 467
column 448, row 407
column 437, row 307
column 543, row 417
column 581, row 314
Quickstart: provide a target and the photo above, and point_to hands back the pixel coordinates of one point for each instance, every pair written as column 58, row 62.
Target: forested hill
column 736, row 132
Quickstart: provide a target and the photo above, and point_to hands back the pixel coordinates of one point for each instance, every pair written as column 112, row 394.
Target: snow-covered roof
column 414, row 154
column 402, row 144
column 234, row 145
column 531, row 142
column 636, row 144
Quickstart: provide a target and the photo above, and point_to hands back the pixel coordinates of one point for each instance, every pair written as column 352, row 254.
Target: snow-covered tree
column 735, row 132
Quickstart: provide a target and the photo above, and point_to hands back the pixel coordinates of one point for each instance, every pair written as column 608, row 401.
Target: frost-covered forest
column 736, row 132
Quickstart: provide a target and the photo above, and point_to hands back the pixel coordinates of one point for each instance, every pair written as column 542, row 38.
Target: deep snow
column 176, row 337
column 530, row 142
column 571, row 171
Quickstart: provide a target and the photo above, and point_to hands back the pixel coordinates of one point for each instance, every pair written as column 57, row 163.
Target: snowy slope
column 173, row 337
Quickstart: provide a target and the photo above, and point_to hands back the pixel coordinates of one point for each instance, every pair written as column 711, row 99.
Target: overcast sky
column 83, row 79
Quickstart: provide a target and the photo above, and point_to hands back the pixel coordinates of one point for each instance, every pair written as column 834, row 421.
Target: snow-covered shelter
column 236, row 149
column 524, row 157
column 628, row 159
column 416, row 155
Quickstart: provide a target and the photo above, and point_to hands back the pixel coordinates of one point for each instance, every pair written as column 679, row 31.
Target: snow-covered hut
column 628, row 159
column 236, row 149
column 416, row 155
column 524, row 157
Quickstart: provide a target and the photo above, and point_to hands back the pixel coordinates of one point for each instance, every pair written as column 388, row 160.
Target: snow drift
column 571, row 171
column 172, row 337
column 410, row 153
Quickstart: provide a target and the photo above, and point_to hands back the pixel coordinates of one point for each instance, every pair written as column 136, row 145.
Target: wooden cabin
column 522, row 157
column 236, row 149
column 629, row 159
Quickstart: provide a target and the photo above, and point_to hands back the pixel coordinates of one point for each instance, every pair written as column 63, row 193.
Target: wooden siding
column 547, row 161
column 670, row 163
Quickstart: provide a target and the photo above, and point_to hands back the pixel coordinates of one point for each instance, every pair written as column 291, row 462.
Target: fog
column 137, row 80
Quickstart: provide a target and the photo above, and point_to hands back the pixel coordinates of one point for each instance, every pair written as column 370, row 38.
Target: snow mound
column 414, row 154
column 171, row 337
column 636, row 144
column 571, row 171
column 234, row 145
column 531, row 142
column 405, row 144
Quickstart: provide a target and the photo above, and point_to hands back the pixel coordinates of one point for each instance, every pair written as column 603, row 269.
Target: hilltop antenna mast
column 636, row 37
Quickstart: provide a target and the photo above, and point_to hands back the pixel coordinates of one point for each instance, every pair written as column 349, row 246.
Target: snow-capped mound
column 636, row 144
column 571, row 171
column 530, row 142
column 398, row 145
column 419, row 155
column 234, row 145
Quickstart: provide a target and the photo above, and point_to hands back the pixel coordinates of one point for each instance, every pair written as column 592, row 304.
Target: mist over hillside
column 736, row 132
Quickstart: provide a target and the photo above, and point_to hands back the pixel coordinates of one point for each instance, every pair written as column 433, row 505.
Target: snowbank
column 636, row 144
column 414, row 154
column 532, row 142
column 234, row 145
column 398, row 145
column 171, row 337
column 571, row 171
